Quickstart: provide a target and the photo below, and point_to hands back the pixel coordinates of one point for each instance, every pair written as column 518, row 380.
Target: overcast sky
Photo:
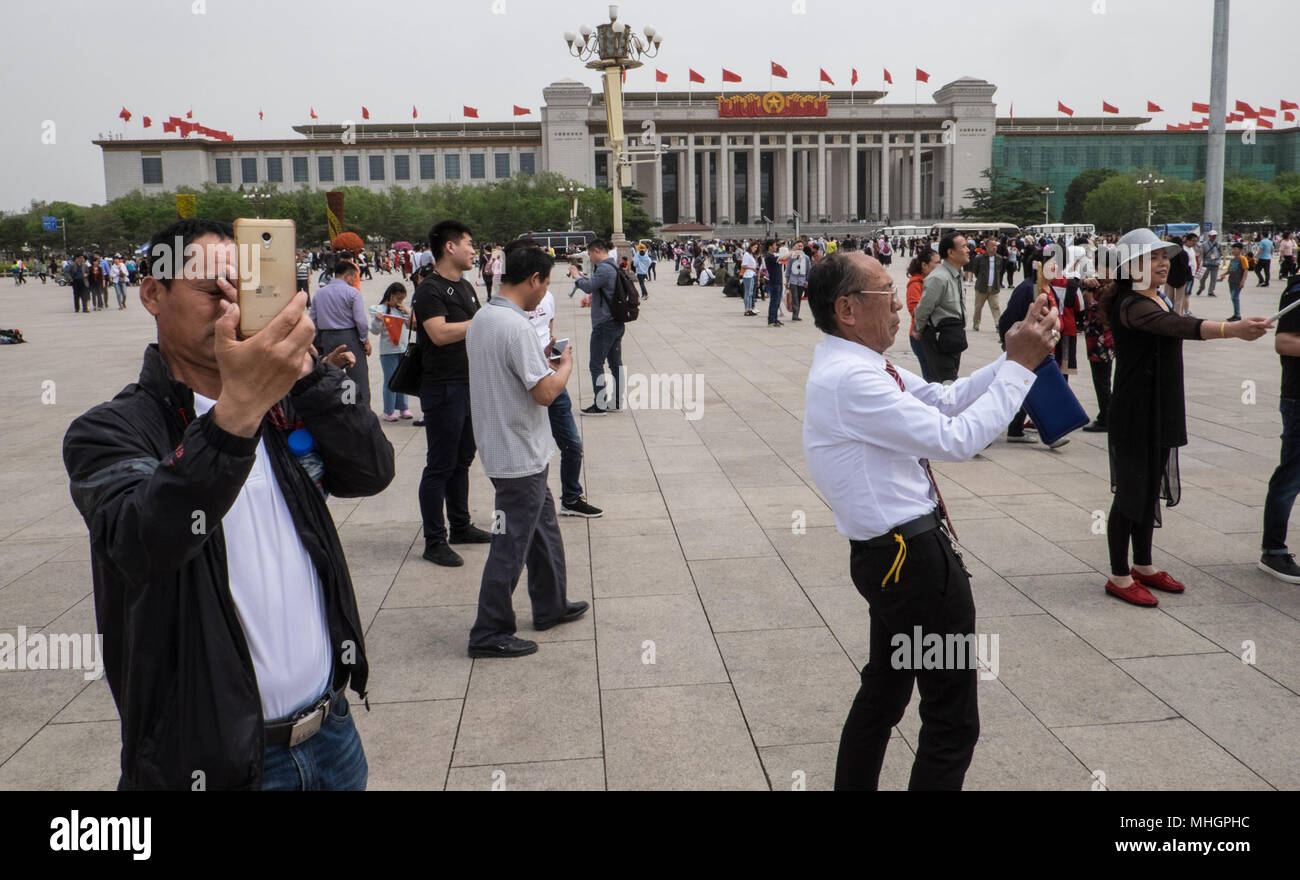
column 78, row 63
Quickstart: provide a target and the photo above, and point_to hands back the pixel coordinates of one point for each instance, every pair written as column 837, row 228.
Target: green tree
column 1005, row 199
column 1083, row 183
column 1116, row 204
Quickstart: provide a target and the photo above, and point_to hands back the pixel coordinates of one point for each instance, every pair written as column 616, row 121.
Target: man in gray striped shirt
column 511, row 386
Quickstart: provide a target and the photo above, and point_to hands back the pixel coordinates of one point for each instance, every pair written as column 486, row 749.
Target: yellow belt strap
column 897, row 568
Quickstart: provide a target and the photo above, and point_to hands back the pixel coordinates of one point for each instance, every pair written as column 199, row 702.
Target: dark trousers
column 1287, row 268
column 651, row 269
column 644, row 293
column 933, row 593
column 773, row 300
column 569, row 441
column 1263, row 270
column 918, row 349
column 1122, row 531
column 1017, row 426
column 1284, row 485
column 943, row 367
column 1101, row 385
column 359, row 372
column 796, row 296
column 80, row 299
column 606, row 345
column 525, row 532
column 450, row 435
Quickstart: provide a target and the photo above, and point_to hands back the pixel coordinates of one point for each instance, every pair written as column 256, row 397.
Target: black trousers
column 943, row 367
column 1101, row 385
column 359, row 372
column 450, row 435
column 525, row 532
column 932, row 593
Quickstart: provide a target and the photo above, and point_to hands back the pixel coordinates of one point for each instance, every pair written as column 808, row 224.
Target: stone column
column 724, row 180
column 692, row 216
column 657, row 206
column 821, row 175
column 885, row 174
column 851, row 209
column 788, row 205
column 916, row 174
column 706, row 211
column 755, row 175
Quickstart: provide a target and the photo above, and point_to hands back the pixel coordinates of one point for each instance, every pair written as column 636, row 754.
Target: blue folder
column 1052, row 405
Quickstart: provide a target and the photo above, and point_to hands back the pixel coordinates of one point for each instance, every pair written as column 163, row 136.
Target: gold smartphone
column 268, row 275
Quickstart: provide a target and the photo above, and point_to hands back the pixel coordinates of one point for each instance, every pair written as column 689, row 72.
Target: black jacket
column 153, row 484
column 1180, row 269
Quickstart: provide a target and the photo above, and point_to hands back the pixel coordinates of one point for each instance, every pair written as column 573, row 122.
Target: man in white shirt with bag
column 870, row 431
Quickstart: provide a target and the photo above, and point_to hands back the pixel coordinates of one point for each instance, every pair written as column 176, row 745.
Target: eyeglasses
column 892, row 291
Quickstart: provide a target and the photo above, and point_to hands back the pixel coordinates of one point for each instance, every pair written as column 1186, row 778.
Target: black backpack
column 626, row 303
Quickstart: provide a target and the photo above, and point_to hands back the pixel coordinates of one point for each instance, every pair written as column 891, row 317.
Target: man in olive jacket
column 988, row 282
column 229, row 620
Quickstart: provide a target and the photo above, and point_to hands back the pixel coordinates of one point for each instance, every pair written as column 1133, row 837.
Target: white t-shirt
column 277, row 592
column 541, row 317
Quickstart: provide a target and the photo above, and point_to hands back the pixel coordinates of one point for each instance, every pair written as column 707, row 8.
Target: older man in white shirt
column 870, row 431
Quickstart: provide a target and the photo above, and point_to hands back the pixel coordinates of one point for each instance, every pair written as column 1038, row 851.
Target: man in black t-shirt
column 444, row 303
column 1284, row 486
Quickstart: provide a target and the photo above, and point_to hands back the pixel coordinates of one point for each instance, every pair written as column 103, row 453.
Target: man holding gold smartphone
column 229, row 618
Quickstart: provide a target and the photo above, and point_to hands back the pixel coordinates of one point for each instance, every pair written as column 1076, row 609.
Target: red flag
column 1267, row 111
column 889, row 79
column 1061, row 108
column 259, row 114
column 313, row 113
column 1263, row 123
column 146, row 121
column 365, row 114
column 169, row 127
column 1290, row 105
column 470, row 112
column 1153, row 107
column 922, row 76
column 189, row 114
column 1236, row 117
column 695, row 77
column 1242, row 107
column 622, row 75
column 1248, row 113
column 660, row 76
column 729, row 77
column 1286, row 114
column 521, row 111
column 778, row 70
column 1169, row 127
column 853, row 80
column 1108, row 108
column 825, row 77
column 125, row 115
column 415, row 114
column 1198, row 107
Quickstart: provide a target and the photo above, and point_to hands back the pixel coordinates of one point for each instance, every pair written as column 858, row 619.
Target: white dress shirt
column 864, row 437
column 277, row 592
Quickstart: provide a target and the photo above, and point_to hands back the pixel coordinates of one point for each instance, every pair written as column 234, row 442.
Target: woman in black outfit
column 1147, row 419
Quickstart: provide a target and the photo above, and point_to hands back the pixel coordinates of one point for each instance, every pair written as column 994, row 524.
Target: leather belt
column 305, row 724
column 906, row 531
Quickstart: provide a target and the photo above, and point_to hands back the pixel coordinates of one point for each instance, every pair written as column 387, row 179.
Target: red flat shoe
column 1134, row 594
column 1160, row 581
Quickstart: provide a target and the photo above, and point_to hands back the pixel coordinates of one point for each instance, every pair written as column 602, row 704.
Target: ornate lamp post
column 612, row 48
column 1046, row 193
column 572, row 191
column 1149, row 185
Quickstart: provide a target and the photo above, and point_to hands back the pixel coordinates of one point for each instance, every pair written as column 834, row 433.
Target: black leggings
column 1120, row 530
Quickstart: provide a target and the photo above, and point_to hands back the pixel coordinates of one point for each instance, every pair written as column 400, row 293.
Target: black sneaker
column 572, row 613
column 775, row 324
column 1281, row 565
column 579, row 508
column 592, row 410
column 796, row 318
column 507, row 647
column 440, row 554
column 471, row 534
column 1096, row 426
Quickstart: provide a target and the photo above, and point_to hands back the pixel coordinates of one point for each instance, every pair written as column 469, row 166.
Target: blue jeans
column 393, row 402
column 1284, row 485
column 565, row 432
column 606, row 345
column 747, row 287
column 119, row 287
column 919, row 350
column 644, row 293
column 332, row 760
column 1235, row 293
column 773, row 299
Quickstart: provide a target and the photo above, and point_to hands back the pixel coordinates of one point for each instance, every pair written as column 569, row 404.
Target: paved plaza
column 723, row 647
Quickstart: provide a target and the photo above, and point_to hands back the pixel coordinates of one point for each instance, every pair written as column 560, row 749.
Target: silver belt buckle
column 310, row 724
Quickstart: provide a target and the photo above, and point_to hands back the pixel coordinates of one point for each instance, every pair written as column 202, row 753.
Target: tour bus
column 1178, row 229
column 976, row 231
column 562, row 241
column 893, row 233
column 1056, row 230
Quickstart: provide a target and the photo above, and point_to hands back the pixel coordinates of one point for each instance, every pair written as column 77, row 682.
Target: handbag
column 1052, row 405
column 948, row 336
column 410, row 369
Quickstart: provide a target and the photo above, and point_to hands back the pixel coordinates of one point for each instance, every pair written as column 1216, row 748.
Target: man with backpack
column 614, row 302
